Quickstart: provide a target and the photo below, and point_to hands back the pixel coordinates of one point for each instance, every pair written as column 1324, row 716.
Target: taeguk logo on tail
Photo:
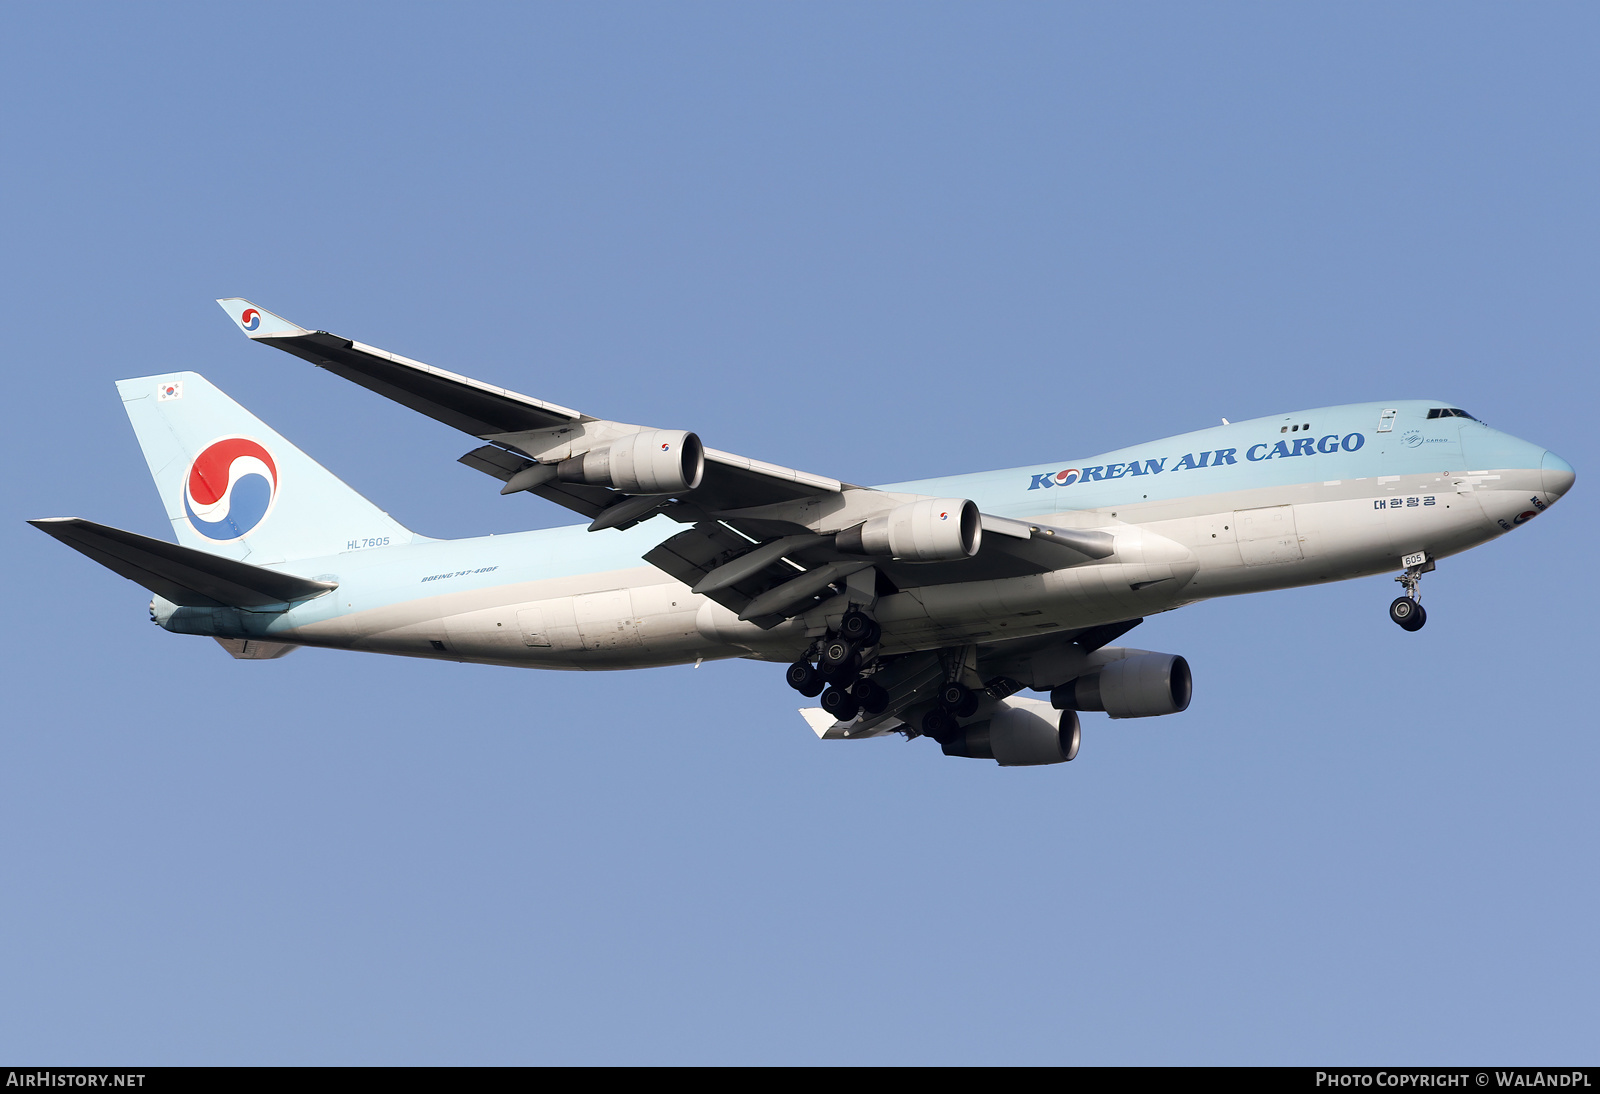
column 230, row 488
column 251, row 319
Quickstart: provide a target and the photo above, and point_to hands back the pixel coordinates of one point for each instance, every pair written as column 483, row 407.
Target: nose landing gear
column 1407, row 611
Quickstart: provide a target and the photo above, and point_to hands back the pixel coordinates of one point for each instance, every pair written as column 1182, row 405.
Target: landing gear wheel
column 839, row 662
column 958, row 699
column 1071, row 735
column 836, row 652
column 858, row 627
column 1407, row 613
column 939, row 725
column 804, row 678
column 872, row 697
column 838, row 702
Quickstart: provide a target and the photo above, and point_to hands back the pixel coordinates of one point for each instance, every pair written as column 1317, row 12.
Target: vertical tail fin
column 232, row 486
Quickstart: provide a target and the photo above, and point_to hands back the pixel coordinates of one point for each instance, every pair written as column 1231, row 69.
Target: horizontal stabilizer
column 183, row 575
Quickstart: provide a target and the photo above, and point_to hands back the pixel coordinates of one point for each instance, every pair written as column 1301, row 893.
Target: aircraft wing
column 516, row 425
column 764, row 540
column 468, row 405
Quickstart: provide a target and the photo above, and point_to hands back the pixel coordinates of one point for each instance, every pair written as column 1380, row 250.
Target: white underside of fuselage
column 1168, row 553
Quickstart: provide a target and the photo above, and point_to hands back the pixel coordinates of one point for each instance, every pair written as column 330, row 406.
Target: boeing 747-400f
column 920, row 608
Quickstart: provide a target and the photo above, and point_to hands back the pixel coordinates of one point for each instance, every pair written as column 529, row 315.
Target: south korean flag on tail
column 169, row 389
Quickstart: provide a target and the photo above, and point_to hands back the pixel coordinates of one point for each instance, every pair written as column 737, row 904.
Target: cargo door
column 605, row 620
column 1267, row 535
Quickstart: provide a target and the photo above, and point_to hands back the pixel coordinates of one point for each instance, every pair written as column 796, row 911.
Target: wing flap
column 697, row 551
column 182, row 575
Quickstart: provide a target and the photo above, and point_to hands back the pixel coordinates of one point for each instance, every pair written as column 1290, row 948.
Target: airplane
column 918, row 608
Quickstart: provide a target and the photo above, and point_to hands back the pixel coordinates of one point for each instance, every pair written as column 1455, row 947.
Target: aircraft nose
column 1556, row 475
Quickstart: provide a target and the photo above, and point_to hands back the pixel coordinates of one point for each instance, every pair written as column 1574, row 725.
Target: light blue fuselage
column 1319, row 495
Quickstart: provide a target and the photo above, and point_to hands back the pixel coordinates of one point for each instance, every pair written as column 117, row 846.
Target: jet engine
column 932, row 530
column 1141, row 686
column 652, row 461
column 1019, row 735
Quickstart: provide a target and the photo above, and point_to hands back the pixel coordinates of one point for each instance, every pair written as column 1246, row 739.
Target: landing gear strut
column 1407, row 610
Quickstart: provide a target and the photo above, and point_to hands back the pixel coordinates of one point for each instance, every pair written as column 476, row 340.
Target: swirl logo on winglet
column 250, row 320
column 230, row 488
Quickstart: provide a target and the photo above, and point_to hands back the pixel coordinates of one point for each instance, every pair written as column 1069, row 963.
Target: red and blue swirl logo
column 1067, row 477
column 230, row 488
column 251, row 319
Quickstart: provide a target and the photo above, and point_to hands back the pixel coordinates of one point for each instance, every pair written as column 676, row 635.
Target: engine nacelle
column 652, row 461
column 933, row 530
column 1141, row 686
column 1018, row 736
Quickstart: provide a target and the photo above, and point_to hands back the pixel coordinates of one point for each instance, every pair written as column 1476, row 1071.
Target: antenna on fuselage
column 1226, row 422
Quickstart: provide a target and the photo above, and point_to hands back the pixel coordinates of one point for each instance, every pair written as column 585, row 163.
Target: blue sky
column 880, row 242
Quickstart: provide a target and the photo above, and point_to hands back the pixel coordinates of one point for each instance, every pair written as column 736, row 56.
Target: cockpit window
column 1448, row 412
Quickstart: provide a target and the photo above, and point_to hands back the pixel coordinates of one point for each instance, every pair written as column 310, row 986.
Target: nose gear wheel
column 1406, row 611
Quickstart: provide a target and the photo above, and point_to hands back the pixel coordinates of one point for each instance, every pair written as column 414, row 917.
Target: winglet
column 258, row 322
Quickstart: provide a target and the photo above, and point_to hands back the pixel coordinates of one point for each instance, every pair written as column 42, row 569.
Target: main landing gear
column 956, row 701
column 839, row 668
column 1407, row 610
